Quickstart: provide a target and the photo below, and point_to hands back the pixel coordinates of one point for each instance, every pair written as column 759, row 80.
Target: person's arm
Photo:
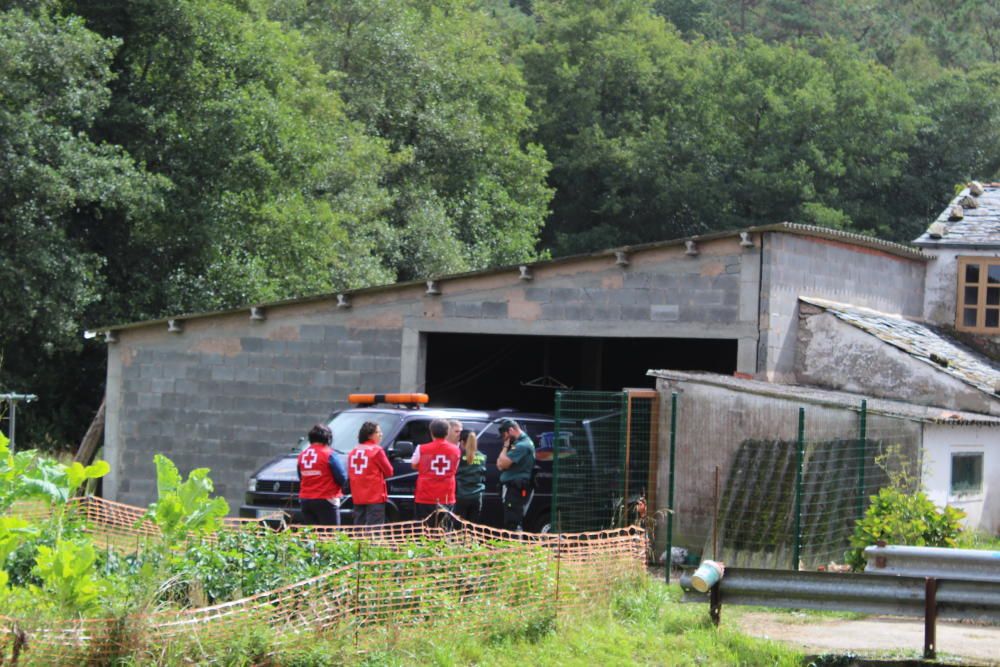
column 382, row 461
column 504, row 461
column 415, row 459
column 337, row 468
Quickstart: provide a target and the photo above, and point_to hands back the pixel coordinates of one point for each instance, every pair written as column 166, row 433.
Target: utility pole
column 12, row 401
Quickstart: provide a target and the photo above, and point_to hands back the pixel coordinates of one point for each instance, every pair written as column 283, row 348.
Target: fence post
column 623, row 457
column 554, row 505
column 670, row 483
column 799, row 457
column 862, row 446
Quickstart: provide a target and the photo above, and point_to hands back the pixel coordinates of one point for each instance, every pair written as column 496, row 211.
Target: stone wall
column 795, row 266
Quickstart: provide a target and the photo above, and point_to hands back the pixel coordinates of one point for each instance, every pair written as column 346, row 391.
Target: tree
column 433, row 81
column 56, row 185
column 272, row 187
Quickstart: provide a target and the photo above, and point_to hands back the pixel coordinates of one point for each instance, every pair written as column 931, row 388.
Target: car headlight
column 252, row 486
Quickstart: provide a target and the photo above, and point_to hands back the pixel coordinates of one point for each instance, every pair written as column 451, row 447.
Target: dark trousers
column 319, row 512
column 369, row 515
column 515, row 495
column 470, row 508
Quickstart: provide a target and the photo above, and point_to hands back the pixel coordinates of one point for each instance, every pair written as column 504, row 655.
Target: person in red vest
column 367, row 468
column 436, row 468
column 321, row 479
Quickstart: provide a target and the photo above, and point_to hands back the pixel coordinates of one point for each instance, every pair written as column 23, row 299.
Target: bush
column 900, row 516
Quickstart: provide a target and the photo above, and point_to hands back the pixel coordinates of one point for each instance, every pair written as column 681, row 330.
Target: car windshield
column 345, row 427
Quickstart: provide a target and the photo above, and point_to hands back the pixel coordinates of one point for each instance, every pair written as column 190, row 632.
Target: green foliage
column 69, row 575
column 903, row 517
column 468, row 191
column 28, row 475
column 184, row 508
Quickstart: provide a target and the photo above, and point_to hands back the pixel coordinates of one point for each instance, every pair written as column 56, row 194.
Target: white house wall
column 940, row 442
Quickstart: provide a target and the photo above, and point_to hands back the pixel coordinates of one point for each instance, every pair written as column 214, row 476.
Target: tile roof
column 832, row 398
column 980, row 226
column 922, row 341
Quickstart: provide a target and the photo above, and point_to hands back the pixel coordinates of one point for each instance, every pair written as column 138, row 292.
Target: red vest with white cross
column 315, row 479
column 436, row 472
column 367, row 468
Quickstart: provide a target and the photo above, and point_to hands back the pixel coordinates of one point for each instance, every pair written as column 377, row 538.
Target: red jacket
column 436, row 472
column 367, row 468
column 315, row 474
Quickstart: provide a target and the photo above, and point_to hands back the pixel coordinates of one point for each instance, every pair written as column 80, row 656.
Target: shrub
column 900, row 516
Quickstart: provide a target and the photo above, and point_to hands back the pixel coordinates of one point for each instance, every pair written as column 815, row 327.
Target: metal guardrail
column 938, row 562
column 926, row 597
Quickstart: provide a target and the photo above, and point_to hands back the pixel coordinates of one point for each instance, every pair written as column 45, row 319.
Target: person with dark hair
column 516, row 463
column 470, row 480
column 367, row 468
column 436, row 470
column 321, row 479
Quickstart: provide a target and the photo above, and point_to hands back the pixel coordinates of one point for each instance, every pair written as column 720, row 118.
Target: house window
column 978, row 294
column 966, row 473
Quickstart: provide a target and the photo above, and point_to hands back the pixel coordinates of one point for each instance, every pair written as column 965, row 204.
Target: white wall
column 940, row 442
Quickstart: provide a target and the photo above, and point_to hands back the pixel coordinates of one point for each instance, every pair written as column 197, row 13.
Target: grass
column 978, row 539
column 646, row 625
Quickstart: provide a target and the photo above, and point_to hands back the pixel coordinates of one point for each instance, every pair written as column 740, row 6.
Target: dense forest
column 168, row 156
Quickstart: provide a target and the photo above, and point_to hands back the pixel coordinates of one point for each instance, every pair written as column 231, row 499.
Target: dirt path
column 975, row 644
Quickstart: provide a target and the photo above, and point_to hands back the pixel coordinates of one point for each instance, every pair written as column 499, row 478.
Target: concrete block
column 634, row 279
column 251, row 344
column 162, row 386
column 539, row 294
column 336, row 332
column 362, row 364
column 552, row 311
column 285, row 361
column 150, row 371
column 348, row 347
column 223, row 373
column 309, row 332
column 636, row 313
column 347, row 378
column 494, row 309
column 664, row 313
column 565, row 294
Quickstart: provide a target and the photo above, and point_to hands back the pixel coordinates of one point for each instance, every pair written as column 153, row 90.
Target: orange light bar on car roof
column 370, row 399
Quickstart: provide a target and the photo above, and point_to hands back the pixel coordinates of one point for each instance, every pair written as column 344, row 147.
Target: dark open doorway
column 490, row 371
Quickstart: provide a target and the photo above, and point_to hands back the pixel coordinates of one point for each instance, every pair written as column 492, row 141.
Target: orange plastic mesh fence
column 516, row 579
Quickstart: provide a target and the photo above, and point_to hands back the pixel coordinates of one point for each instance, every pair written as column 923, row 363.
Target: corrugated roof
column 921, row 341
column 980, row 226
column 831, row 398
column 782, row 227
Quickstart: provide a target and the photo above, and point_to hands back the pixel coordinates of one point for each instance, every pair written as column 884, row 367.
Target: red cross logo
column 359, row 462
column 441, row 465
column 309, row 458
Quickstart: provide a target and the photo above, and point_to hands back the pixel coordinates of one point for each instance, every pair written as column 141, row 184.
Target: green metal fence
column 604, row 463
column 792, row 503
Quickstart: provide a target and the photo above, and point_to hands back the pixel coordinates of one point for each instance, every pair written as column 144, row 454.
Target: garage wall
column 228, row 392
column 797, row 266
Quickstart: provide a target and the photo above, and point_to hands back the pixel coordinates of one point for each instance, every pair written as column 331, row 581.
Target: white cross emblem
column 441, row 465
column 359, row 462
column 309, row 458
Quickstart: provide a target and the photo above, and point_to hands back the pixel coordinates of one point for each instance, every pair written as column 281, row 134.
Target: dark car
column 274, row 487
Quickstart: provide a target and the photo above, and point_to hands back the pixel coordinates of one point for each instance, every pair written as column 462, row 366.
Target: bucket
column 707, row 575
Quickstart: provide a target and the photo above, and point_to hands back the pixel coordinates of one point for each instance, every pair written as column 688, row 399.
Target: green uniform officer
column 516, row 463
